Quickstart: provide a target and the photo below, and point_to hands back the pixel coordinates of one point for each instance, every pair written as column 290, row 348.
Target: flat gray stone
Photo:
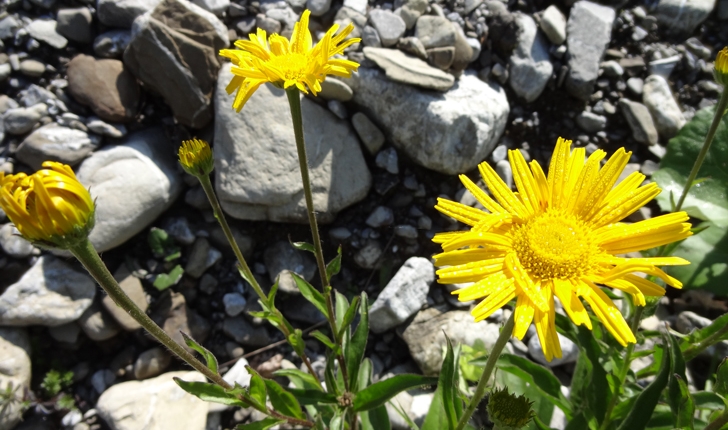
column 50, row 293
column 435, row 31
column 22, row 119
column 658, row 98
column 389, row 26
column 133, row 288
column 334, row 89
column 56, row 143
column 370, row 135
column 255, row 185
column 151, row 363
column 589, row 31
column 406, row 69
column 530, row 66
column 404, row 295
column 591, row 122
column 553, row 24
column 448, row 132
column 44, row 30
column 640, row 121
column 121, row 13
column 112, row 43
column 683, row 17
column 75, row 24
column 132, row 183
column 97, row 323
column 318, row 7
column 241, row 331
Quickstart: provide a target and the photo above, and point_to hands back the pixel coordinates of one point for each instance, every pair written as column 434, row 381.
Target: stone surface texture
column 121, row 13
column 406, row 69
column 448, row 132
column 530, row 66
column 15, row 371
column 54, row 142
column 658, row 98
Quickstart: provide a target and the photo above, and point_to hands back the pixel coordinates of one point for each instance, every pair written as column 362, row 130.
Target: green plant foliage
column 379, row 393
column 56, row 381
column 472, row 360
column 590, row 389
column 166, row 280
column 263, row 424
column 163, row 245
column 446, row 407
column 283, row 401
column 539, row 377
column 699, row 340
column 207, row 355
column 543, row 408
column 211, row 392
column 311, row 294
column 354, row 350
column 334, row 266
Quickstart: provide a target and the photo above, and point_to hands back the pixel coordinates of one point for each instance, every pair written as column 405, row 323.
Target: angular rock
column 435, row 31
column 370, row 37
column 75, row 24
column 682, row 17
column 381, row 216
column 318, row 7
column 252, row 184
column 640, row 121
column 201, row 258
column 151, row 363
column 174, row 51
column 591, row 122
column 121, row 13
column 44, row 30
column 403, row 296
column 234, row 303
column 589, row 31
column 425, row 335
column 368, row 256
column 56, row 143
column 658, row 98
column 98, row 324
column 132, row 183
column 370, row 135
column 450, row 133
column 8, row 26
column 463, row 52
column 22, row 119
column 98, row 126
column 403, row 68
column 132, row 286
column 411, row 10
column 530, row 66
column 153, row 404
column 106, row 86
column 50, row 293
column 15, row 373
column 389, row 26
column 553, row 24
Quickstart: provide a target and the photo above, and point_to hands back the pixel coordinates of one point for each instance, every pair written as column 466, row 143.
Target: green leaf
column 304, row 246
column 357, row 346
column 402, row 414
column 375, row 419
column 341, row 306
column 543, row 408
column 685, row 406
column 207, row 355
column 443, row 413
column 334, row 266
column 257, row 391
column 312, row 397
column 677, row 375
column 283, row 401
column 349, row 316
column 332, row 382
column 647, row 400
column 311, row 294
column 263, row 424
column 378, row 394
column 324, row 339
column 210, row 392
column 695, row 342
column 250, row 279
column 707, row 252
column 538, row 376
column 162, row 244
column 296, row 341
column 337, row 422
column 365, row 373
column 707, row 200
column 166, row 280
column 299, row 378
column 721, row 380
column 708, row 400
column 590, row 388
column 272, row 295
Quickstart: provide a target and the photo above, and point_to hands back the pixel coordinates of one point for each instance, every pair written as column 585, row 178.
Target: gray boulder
column 681, row 17
column 530, row 67
column 121, row 13
column 56, row 143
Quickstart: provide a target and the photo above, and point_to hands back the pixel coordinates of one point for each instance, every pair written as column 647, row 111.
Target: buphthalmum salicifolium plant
column 559, row 241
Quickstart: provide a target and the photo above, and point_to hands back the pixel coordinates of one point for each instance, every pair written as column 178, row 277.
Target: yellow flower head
column 195, row 156
column 286, row 63
column 721, row 67
column 50, row 207
column 558, row 236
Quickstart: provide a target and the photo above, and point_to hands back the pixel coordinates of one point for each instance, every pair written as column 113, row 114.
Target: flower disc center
column 291, row 65
column 554, row 245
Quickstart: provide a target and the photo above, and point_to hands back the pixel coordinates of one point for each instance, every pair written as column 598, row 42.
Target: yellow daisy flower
column 286, row 63
column 558, row 236
column 196, row 158
column 50, row 207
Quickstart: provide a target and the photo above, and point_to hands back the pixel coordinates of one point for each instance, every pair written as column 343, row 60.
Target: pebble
column 98, row 324
column 370, row 37
column 591, row 122
column 21, row 120
column 5, row 71
column 662, row 105
column 65, row 333
column 358, row 5
column 318, row 7
column 202, row 257
column 370, row 135
column 242, row 332
column 151, row 363
column 218, row 7
column 158, row 404
column 387, row 160
column 664, row 66
column 234, row 304
column 505, row 171
column 406, row 231
column 412, row 45
column 389, row 26
column 8, row 26
column 442, row 57
column 640, row 121
column 56, row 143
column 50, row 293
column 121, row 13
column 569, row 351
column 368, row 256
column 44, row 30
column 409, row 70
column 589, row 31
column 337, row 108
column 102, row 379
column 99, row 126
column 112, row 43
column 282, row 256
column 404, row 295
column 635, row 85
column 380, row 217
column 435, row 31
column 32, row 68
column 133, row 288
column 208, row 284
column 553, row 24
column 530, row 66
column 75, row 24
column 335, row 89
column 16, row 371
column 612, row 69
column 682, row 18
column 12, row 243
column 339, row 233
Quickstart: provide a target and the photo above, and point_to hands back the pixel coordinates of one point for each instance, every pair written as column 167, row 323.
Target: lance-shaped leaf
column 207, row 355
column 379, row 393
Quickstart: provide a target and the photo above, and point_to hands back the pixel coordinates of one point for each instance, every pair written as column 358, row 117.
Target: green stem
column 294, row 101
column 90, row 259
column 719, row 110
column 693, row 350
column 622, row 375
column 719, row 422
column 247, row 273
column 500, row 343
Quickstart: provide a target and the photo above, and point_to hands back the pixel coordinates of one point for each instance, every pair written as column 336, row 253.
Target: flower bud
column 720, row 72
column 508, row 411
column 196, row 158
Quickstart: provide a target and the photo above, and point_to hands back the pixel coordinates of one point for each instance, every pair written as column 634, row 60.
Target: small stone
column 389, row 26
column 283, row 256
column 387, row 160
column 412, row 45
column 270, row 25
column 112, row 43
column 75, row 24
column 380, row 217
column 132, row 286
column 505, row 171
column 368, row 132
column 98, row 324
column 32, row 68
column 406, row 231
column 337, row 108
column 56, row 143
column 569, row 351
column 318, row 7
column 682, row 18
column 639, row 33
column 15, row 372
column 98, row 126
column 370, row 37
column 339, row 233
column 65, row 333
column 635, row 85
column 530, row 66
column 234, row 303
column 44, row 30
column 591, row 122
column 662, row 105
column 334, row 89
column 368, row 256
column 121, row 13
column 151, row 363
column 553, row 24
column 12, row 243
column 640, row 121
column 612, row 69
column 435, row 31
column 202, row 257
column 208, row 284
column 664, row 66
column 241, row 331
column 442, row 57
column 400, row 67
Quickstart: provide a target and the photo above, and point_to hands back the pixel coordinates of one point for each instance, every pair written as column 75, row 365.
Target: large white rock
column 449, row 132
column 153, row 404
column 256, row 163
column 658, row 98
column 50, row 293
column 681, row 17
column 530, row 64
column 132, row 183
column 15, row 372
column 404, row 295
